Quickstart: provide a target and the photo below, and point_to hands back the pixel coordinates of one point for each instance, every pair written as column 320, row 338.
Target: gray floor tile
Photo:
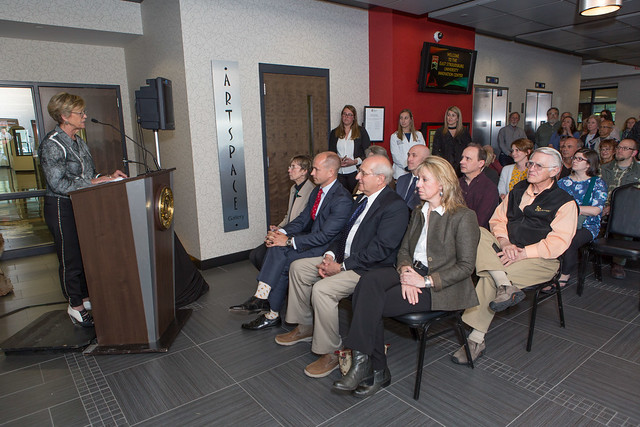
column 247, row 353
column 166, row 383
column 69, row 414
column 37, row 398
column 610, row 381
column 583, row 327
column 228, row 407
column 37, row 419
column 112, row 364
column 214, row 321
column 12, row 362
column 382, row 409
column 551, row 358
column 606, row 303
column 465, row 396
column 625, row 344
column 546, row 413
column 21, row 379
column 294, row 399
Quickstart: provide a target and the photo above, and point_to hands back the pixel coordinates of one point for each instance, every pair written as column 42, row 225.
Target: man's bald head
column 417, row 154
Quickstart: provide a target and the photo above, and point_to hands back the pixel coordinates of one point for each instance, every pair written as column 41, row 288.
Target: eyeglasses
column 579, row 159
column 363, row 173
column 81, row 113
column 619, row 147
column 606, row 127
column 347, row 114
column 533, row 165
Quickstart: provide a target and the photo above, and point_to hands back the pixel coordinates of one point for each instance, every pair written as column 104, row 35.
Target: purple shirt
column 481, row 196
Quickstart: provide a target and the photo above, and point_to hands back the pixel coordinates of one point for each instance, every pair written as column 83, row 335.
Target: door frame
column 525, row 102
column 290, row 70
column 39, row 114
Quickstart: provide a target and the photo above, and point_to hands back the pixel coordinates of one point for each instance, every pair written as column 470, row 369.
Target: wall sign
column 233, row 180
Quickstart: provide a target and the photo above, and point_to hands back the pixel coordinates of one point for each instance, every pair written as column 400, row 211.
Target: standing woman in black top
column 349, row 140
column 450, row 140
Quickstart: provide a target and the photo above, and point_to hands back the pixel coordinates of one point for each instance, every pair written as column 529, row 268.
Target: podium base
column 51, row 332
column 161, row 346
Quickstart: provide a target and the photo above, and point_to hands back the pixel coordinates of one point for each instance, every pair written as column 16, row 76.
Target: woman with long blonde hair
column 451, row 139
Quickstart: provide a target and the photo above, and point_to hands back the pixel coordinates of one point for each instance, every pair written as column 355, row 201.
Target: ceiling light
column 598, row 7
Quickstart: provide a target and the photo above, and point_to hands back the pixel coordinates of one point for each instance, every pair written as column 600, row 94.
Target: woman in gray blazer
column 434, row 267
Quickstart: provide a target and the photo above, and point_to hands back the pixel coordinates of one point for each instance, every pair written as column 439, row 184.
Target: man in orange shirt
column 530, row 229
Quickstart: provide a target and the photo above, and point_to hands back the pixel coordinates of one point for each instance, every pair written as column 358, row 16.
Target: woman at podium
column 67, row 165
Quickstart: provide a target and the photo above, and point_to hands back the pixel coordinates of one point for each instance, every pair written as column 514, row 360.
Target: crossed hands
column 275, row 237
column 328, row 267
column 411, row 283
column 510, row 253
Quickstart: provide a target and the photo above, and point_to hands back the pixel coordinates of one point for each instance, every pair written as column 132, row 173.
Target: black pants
column 379, row 295
column 570, row 257
column 58, row 214
column 348, row 181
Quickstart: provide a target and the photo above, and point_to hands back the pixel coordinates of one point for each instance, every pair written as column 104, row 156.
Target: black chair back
column 625, row 206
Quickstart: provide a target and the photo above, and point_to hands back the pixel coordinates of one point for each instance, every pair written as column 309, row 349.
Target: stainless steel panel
column 499, row 114
column 482, row 100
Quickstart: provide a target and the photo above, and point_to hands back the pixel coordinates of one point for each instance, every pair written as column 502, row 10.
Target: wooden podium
column 128, row 261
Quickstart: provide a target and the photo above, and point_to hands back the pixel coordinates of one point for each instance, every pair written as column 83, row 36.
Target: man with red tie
column 308, row 235
column 370, row 239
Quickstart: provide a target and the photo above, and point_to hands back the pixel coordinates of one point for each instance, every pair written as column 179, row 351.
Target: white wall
column 626, row 77
column 519, row 66
column 306, row 33
column 41, row 61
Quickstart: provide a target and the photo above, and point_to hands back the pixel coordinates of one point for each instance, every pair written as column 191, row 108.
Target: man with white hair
column 370, row 239
column 530, row 229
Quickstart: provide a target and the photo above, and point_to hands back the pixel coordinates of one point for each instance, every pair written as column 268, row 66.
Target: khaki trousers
column 314, row 301
column 522, row 274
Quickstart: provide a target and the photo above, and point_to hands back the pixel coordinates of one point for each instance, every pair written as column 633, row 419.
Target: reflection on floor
column 21, row 221
column 219, row 374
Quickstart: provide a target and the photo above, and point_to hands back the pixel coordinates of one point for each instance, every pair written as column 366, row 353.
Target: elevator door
column 536, row 112
column 489, row 114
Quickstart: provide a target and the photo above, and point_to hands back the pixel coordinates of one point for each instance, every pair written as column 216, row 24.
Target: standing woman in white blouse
column 402, row 140
column 349, row 140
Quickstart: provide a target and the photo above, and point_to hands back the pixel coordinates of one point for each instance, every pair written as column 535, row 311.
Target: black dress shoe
column 381, row 379
column 261, row 322
column 252, row 305
column 360, row 371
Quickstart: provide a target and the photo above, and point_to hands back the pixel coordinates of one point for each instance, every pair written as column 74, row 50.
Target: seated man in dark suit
column 479, row 192
column 308, row 235
column 370, row 239
column 406, row 184
column 299, row 169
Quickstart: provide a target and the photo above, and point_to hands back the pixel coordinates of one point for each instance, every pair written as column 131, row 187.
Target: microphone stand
column 135, row 142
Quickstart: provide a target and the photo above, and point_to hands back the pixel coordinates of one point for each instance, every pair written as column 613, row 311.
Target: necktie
column 411, row 189
column 342, row 242
column 314, row 210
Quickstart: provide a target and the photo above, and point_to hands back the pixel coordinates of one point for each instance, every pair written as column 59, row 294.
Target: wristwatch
column 427, row 282
column 289, row 242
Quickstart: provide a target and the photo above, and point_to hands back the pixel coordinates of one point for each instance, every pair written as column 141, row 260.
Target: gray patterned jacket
column 67, row 164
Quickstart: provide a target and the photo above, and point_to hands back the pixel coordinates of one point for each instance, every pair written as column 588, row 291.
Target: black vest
column 534, row 223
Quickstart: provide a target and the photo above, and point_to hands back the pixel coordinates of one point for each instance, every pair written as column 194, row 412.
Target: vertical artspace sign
column 233, row 180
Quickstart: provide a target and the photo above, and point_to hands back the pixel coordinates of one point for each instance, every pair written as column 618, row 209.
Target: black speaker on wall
column 154, row 105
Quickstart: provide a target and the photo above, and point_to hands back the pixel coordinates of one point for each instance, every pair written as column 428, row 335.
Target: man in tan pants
column 370, row 239
column 530, row 229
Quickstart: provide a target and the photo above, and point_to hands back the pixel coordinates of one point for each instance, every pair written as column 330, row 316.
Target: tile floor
column 218, row 374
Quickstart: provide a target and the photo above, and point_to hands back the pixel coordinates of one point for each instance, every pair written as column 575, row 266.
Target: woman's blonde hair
column 412, row 129
column 444, row 173
column 62, row 104
column 355, row 128
column 459, row 114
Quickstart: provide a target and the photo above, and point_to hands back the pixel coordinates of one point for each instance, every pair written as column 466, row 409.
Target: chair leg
column 560, row 306
column 582, row 269
column 532, row 321
column 597, row 267
column 463, row 336
column 423, row 345
column 414, row 334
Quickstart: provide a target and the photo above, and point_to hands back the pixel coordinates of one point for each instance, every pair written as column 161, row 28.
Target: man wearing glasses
column 530, row 229
column 622, row 170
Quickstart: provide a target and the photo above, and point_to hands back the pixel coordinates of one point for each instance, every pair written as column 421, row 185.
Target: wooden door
column 296, row 122
column 103, row 104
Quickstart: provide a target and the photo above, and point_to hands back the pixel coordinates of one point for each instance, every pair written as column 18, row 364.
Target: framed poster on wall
column 374, row 123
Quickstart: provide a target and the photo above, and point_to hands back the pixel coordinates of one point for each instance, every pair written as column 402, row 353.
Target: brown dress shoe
column 302, row 333
column 617, row 271
column 322, row 367
column 476, row 350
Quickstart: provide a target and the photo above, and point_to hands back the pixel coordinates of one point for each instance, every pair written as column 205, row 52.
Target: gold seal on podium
column 164, row 207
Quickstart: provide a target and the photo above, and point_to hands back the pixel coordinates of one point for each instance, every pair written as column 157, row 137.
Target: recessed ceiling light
column 598, row 7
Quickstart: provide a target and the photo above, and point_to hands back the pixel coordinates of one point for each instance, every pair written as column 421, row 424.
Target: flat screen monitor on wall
column 154, row 105
column 446, row 69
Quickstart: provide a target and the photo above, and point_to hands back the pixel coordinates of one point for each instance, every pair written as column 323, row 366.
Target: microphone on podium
column 142, row 147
